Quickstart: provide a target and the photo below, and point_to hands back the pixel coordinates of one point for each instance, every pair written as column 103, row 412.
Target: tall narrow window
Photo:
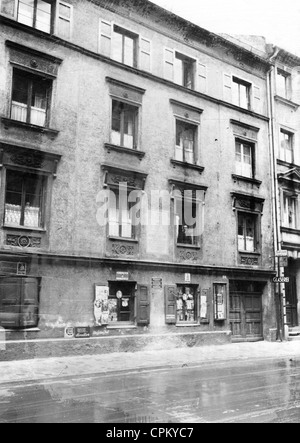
column 241, row 93
column 286, row 146
column 187, row 218
column 283, row 84
column 184, row 71
column 247, row 235
column 244, row 159
column 290, row 206
column 36, row 13
column 30, row 98
column 124, row 125
column 24, row 202
column 121, row 222
column 124, row 48
column 185, row 142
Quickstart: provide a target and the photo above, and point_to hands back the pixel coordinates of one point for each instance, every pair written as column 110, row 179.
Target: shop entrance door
column 292, row 303
column 246, row 312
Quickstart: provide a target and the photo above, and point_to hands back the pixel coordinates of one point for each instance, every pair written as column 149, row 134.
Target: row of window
column 132, row 49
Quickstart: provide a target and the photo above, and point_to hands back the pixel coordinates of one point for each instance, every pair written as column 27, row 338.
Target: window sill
column 8, row 122
column 290, row 230
column 179, row 245
column 246, row 180
column 22, row 228
column 186, row 165
column 187, row 325
column 117, row 148
column 121, row 326
column 130, row 240
column 254, row 254
column 287, row 102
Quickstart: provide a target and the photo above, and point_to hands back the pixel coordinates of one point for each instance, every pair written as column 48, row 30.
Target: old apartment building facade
column 126, row 97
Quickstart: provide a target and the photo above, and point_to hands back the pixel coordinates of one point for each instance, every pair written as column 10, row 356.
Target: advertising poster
column 101, row 309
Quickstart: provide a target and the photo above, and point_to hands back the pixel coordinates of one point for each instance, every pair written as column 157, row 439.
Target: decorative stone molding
column 190, row 256
column 23, row 241
column 120, row 249
column 113, row 176
column 249, row 261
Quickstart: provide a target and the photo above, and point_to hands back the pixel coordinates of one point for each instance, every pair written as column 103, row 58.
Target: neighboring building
column 99, row 95
column 284, row 81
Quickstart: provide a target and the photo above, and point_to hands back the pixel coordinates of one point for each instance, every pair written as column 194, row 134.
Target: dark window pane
column 20, row 89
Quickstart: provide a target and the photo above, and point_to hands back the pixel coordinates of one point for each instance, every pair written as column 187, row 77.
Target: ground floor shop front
column 138, row 305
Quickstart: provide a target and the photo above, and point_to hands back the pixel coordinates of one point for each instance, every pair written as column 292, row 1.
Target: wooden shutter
column 64, row 20
column 10, row 302
column 202, row 78
column 227, row 87
column 203, row 306
column 257, row 101
column 105, row 37
column 8, row 8
column 30, row 302
column 170, row 304
column 143, row 306
column 169, row 64
column 145, row 54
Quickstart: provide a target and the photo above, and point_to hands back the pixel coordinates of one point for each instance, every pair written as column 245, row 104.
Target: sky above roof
column 278, row 21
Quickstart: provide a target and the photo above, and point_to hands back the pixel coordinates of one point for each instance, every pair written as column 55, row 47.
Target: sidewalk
column 53, row 368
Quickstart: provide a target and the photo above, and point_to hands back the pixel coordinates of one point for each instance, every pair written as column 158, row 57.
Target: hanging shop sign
column 281, row 279
column 187, row 278
column 101, row 309
column 122, row 276
column 282, row 253
column 284, row 262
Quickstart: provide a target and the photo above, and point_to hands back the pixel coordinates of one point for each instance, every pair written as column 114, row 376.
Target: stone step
column 294, row 338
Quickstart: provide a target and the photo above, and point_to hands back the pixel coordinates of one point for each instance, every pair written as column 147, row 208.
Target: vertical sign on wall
column 220, row 296
column 101, row 311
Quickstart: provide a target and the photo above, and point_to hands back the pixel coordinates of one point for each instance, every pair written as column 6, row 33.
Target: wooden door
column 246, row 316
column 292, row 302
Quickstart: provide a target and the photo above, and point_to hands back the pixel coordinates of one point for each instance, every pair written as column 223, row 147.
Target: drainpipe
column 275, row 202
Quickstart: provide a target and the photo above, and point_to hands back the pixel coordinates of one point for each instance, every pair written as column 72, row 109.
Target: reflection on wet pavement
column 246, row 392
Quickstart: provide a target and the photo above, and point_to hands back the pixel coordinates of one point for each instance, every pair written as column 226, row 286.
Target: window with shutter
column 170, row 304
column 257, row 101
column 143, row 306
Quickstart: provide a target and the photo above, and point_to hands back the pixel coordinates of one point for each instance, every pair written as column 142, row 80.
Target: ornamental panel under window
column 30, row 98
column 124, row 125
column 24, row 201
column 186, row 136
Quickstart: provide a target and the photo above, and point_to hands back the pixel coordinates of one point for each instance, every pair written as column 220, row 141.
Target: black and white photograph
column 149, row 214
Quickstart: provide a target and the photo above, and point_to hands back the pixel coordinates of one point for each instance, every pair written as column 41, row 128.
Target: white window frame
column 194, row 123
column 291, row 133
column 287, row 198
column 288, row 83
column 252, row 145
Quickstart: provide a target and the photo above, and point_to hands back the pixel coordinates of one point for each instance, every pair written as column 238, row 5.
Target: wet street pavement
column 238, row 392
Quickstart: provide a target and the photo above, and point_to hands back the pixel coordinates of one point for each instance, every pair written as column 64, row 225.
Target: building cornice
column 40, row 258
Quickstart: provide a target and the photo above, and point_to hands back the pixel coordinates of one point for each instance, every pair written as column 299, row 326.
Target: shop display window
column 186, row 304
